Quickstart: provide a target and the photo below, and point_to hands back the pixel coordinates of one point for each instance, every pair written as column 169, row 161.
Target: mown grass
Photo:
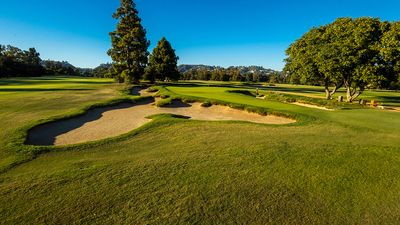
column 25, row 101
column 341, row 167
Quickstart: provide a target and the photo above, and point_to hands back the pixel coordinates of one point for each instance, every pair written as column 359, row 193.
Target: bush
column 164, row 102
column 163, row 96
column 152, row 89
column 187, row 100
column 206, row 104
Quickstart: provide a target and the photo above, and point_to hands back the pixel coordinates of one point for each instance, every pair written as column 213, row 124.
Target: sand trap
column 141, row 91
column 311, row 106
column 107, row 122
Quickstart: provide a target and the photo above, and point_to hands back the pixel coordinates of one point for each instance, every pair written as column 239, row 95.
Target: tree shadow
column 390, row 100
column 42, row 89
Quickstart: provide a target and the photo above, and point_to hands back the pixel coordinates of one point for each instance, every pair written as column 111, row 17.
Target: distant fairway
column 339, row 167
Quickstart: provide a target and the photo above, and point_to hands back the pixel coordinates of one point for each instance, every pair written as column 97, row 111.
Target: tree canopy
column 163, row 62
column 129, row 44
column 347, row 52
column 16, row 62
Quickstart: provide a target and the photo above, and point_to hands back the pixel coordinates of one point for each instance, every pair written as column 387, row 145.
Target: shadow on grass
column 42, row 89
column 49, row 80
column 390, row 100
column 249, row 86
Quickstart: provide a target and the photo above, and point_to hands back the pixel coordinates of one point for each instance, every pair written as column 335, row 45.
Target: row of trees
column 16, row 62
column 233, row 74
column 129, row 52
column 352, row 53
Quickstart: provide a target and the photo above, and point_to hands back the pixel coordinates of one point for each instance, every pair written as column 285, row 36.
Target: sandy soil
column 108, row 122
column 141, row 91
column 311, row 106
column 301, row 94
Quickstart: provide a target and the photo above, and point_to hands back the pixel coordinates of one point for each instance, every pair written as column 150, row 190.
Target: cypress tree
column 129, row 44
column 163, row 62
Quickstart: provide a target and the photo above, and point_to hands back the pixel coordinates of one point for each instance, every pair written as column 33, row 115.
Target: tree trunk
column 353, row 94
column 327, row 93
column 348, row 94
column 337, row 87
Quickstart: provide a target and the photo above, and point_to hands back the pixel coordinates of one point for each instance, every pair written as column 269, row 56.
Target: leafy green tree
column 256, row 77
column 345, row 52
column 150, row 74
column 203, row 74
column 2, row 59
column 163, row 62
column 129, row 44
column 390, row 52
column 16, row 62
column 103, row 70
column 359, row 59
column 305, row 63
column 235, row 74
column 60, row 68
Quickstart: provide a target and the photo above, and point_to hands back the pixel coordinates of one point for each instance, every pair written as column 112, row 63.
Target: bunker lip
column 312, row 106
column 106, row 122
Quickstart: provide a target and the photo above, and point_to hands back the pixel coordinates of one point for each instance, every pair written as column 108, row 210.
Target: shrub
column 164, row 102
column 206, row 104
column 163, row 96
column 187, row 100
column 152, row 89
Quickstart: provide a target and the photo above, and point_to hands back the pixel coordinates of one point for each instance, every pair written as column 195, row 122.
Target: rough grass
column 342, row 167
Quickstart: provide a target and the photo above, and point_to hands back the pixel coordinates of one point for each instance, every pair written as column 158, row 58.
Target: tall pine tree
column 163, row 62
column 129, row 44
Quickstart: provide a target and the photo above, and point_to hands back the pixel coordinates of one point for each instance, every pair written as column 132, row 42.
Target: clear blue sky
column 214, row 32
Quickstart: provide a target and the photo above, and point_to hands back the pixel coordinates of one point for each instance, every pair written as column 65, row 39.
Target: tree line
column 352, row 53
column 15, row 62
column 233, row 74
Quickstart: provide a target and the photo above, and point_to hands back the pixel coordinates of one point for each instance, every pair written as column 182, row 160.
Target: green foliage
column 102, row 71
column 129, row 44
column 390, row 52
column 206, row 104
column 164, row 102
column 163, row 63
column 152, row 89
column 345, row 52
column 15, row 62
column 239, row 73
column 58, row 68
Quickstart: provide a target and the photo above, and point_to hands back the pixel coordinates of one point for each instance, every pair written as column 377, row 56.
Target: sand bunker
column 311, row 106
column 141, row 91
column 107, row 122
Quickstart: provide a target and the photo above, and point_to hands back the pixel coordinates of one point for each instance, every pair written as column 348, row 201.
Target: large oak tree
column 345, row 52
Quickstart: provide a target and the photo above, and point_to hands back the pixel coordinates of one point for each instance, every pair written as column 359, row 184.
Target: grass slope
column 342, row 167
